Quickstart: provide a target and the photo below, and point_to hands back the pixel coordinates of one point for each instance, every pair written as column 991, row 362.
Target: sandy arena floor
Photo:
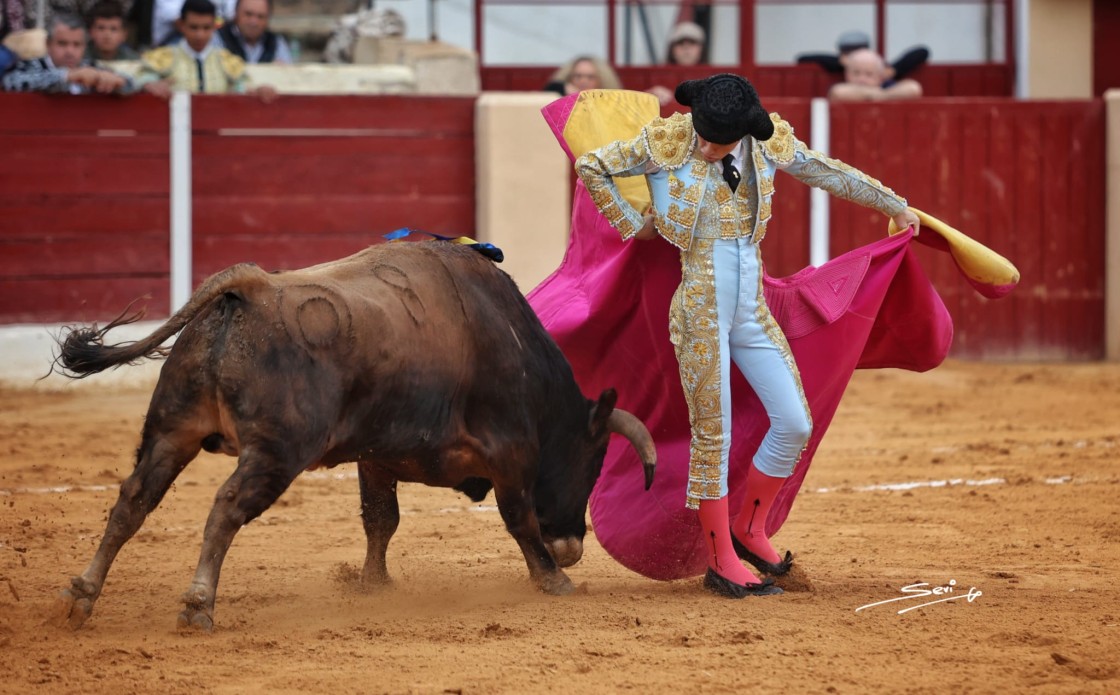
column 1032, row 525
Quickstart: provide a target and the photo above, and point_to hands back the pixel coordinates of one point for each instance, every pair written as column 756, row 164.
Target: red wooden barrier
column 85, row 219
column 310, row 179
column 1025, row 178
column 83, row 206
column 84, row 185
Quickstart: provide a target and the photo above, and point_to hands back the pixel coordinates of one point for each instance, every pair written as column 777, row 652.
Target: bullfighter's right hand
column 648, row 231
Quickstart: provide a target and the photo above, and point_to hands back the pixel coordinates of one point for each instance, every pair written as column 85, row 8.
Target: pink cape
column 607, row 306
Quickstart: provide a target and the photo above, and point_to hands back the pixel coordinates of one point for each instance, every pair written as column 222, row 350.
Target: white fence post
column 818, row 199
column 181, row 207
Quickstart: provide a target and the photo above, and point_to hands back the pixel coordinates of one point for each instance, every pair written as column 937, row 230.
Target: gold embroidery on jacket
column 684, row 216
column 693, row 193
column 596, row 169
column 781, row 145
column 765, row 184
column 670, row 141
column 759, row 160
column 849, row 183
column 676, row 187
column 694, row 332
column 233, row 65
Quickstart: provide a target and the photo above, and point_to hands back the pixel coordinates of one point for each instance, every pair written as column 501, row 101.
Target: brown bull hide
column 420, row 362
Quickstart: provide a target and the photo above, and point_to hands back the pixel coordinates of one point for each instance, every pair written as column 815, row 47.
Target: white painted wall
column 550, row 34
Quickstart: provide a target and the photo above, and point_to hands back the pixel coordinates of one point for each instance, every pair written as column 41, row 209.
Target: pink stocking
column 717, row 538
column 750, row 525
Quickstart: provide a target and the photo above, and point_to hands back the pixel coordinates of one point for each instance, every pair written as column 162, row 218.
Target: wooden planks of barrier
column 84, row 195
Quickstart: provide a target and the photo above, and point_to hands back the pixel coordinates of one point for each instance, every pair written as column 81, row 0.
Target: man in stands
column 107, row 34
column 194, row 63
column 63, row 68
column 248, row 36
column 867, row 78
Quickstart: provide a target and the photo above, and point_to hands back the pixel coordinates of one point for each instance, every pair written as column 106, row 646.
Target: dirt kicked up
column 983, row 497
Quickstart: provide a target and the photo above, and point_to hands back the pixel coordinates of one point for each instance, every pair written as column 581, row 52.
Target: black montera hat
column 725, row 108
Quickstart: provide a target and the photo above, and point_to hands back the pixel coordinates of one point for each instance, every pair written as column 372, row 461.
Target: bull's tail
column 82, row 350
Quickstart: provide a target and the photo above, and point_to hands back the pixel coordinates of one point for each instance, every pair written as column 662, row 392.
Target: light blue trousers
column 751, row 338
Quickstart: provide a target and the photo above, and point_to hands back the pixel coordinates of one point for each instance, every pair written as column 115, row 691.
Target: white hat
column 687, row 31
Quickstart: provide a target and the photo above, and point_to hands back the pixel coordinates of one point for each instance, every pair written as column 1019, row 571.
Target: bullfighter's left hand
column 907, row 218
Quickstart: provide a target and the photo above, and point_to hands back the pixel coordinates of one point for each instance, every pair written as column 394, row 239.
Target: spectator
column 11, row 17
column 850, row 41
column 11, row 25
column 155, row 20
column 107, row 34
column 195, row 63
column 686, row 44
column 248, row 36
column 580, row 73
column 686, row 47
column 63, row 68
column 866, row 79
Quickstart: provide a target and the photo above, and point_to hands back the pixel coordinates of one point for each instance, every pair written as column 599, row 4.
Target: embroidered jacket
column 679, row 178
column 221, row 71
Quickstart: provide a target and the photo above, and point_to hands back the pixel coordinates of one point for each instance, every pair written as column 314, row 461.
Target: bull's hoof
column 195, row 619
column 74, row 605
column 198, row 613
column 375, row 583
column 556, row 584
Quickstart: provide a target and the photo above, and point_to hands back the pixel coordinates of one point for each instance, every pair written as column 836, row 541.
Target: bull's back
column 397, row 344
column 432, row 296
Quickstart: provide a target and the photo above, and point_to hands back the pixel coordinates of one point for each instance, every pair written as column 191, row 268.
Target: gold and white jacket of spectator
column 214, row 71
column 679, row 180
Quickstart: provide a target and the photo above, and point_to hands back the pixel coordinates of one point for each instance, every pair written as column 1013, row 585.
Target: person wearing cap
column 686, row 47
column 686, row 44
column 711, row 180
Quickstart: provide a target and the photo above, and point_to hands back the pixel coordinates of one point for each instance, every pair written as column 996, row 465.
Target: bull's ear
column 601, row 412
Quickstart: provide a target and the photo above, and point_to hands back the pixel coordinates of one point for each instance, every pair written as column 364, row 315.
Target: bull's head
column 570, row 465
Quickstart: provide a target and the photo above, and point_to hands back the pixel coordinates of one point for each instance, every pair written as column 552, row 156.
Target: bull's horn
column 631, row 427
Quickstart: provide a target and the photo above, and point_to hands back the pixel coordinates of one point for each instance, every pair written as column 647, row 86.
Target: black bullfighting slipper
column 725, row 587
column 774, row 569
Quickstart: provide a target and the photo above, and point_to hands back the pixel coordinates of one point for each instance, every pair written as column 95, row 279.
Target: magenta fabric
column 607, row 306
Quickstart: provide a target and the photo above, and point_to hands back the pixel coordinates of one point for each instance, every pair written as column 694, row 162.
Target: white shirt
column 197, row 55
column 254, row 51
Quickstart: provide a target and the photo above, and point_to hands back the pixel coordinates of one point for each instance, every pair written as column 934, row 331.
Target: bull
column 421, row 362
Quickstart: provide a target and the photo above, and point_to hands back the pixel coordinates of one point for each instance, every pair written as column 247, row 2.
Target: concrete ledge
column 27, row 352
column 319, row 78
column 441, row 68
column 314, row 78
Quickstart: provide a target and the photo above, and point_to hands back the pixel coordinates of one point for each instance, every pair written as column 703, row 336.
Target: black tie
column 730, row 173
column 202, row 77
